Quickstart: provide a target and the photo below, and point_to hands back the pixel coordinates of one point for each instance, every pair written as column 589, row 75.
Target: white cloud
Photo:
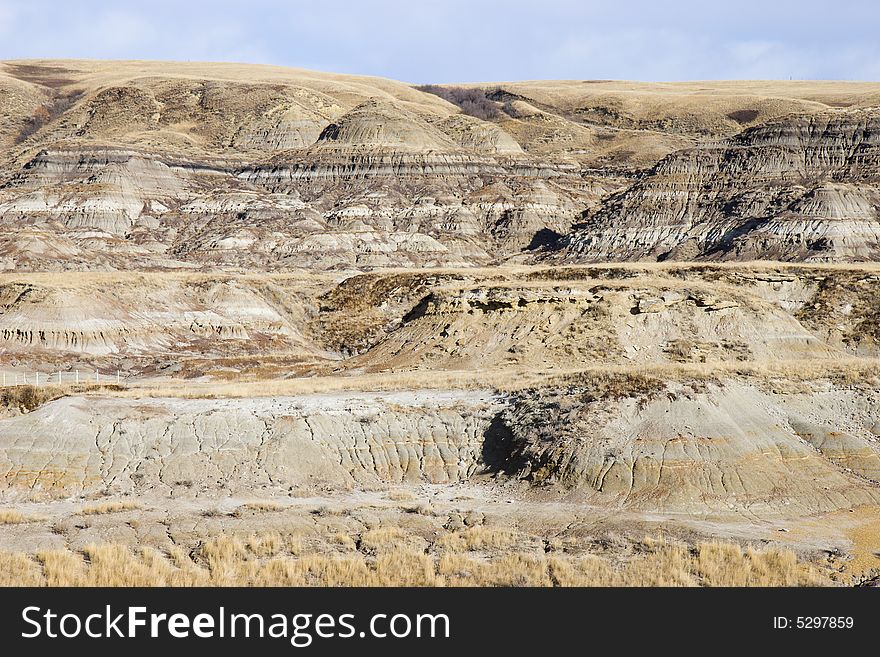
column 468, row 40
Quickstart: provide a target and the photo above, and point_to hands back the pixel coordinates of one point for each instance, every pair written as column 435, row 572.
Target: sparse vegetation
column 477, row 538
column 26, row 398
column 383, row 539
column 259, row 506
column 266, row 561
column 512, row 378
column 472, row 101
column 400, row 496
column 102, row 508
column 343, row 540
column 13, row 517
column 266, row 545
column 47, row 112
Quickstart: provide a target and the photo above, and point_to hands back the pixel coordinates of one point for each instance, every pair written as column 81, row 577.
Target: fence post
column 77, row 377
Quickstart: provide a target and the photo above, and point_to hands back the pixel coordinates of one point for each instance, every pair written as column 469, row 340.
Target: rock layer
column 179, row 447
column 727, row 448
column 798, row 188
column 137, row 166
column 678, row 448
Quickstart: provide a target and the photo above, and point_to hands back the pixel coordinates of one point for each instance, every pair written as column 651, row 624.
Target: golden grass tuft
column 63, row 568
column 266, row 545
column 102, row 508
column 478, row 537
column 345, row 541
column 382, row 538
column 259, row 506
column 13, row 517
column 723, row 564
column 20, row 570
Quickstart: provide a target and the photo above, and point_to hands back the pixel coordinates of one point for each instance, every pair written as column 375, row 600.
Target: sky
column 468, row 40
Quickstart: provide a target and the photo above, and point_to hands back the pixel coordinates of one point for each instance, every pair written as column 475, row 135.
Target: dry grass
column 384, row 540
column 13, row 517
column 109, row 507
column 847, row 371
column 259, row 506
column 513, row 379
column 294, row 545
column 720, row 564
column 477, row 538
column 400, row 495
column 267, row 545
column 380, row 382
column 20, row 570
column 270, row 561
column 344, row 541
column 26, row 398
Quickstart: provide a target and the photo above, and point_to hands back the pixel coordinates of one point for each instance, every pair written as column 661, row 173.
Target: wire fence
column 60, row 378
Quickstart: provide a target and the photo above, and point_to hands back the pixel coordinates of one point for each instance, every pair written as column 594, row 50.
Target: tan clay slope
column 135, row 322
column 555, row 319
column 139, row 165
column 726, row 391
column 150, row 165
column 796, row 188
column 242, row 446
column 203, row 108
column 734, row 444
column 505, row 319
column 557, row 325
column 617, row 123
column 729, row 449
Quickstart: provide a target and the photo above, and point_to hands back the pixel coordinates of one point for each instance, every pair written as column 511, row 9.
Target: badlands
column 264, row 325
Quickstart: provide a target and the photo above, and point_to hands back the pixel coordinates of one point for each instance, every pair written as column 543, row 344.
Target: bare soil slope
column 158, row 165
column 697, row 400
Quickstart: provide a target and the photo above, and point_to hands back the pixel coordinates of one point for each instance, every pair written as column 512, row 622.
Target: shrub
column 27, row 397
column 473, row 102
column 46, row 113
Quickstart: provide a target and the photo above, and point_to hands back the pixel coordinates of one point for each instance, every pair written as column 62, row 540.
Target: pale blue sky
column 469, row 40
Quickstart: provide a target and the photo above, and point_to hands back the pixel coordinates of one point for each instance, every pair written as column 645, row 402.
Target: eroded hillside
column 499, row 332
column 159, row 166
column 697, row 400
